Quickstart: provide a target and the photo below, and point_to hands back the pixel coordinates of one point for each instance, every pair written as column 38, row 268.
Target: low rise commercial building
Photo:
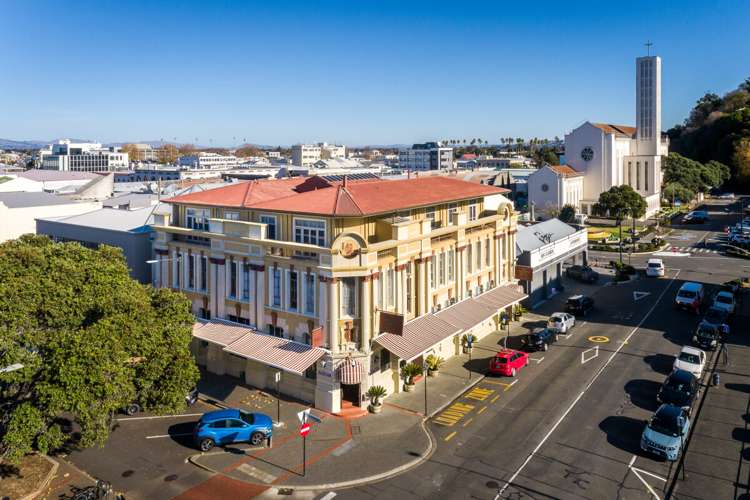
column 208, row 161
column 337, row 283
column 19, row 211
column 66, row 155
column 304, row 155
column 427, row 156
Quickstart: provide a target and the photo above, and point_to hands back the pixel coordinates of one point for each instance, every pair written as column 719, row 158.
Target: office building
column 82, row 157
column 427, row 156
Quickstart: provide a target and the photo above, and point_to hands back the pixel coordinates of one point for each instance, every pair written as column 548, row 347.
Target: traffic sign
column 304, row 429
column 304, row 416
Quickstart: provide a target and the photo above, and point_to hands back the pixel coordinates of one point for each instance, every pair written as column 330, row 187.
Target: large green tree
column 691, row 176
column 621, row 202
column 90, row 340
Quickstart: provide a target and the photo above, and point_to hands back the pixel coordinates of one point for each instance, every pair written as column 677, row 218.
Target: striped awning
column 418, row 336
column 277, row 352
column 351, row 372
column 502, row 296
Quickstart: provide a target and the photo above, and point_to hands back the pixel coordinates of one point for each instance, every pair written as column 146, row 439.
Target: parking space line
column 508, row 386
column 649, row 474
column 159, row 416
column 479, row 393
column 170, row 435
column 648, row 486
column 468, row 422
column 495, row 398
column 450, row 436
column 481, row 410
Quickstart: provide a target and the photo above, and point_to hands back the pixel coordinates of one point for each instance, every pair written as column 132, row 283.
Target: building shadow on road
column 623, row 433
column 738, row 387
column 182, row 434
column 642, row 393
column 660, row 363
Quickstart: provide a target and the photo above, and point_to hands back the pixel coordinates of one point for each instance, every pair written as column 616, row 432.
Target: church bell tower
column 648, row 104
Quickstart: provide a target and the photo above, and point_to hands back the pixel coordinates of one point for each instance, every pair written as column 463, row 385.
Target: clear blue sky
column 356, row 72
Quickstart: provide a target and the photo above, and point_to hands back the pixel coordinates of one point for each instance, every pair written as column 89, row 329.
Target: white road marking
column 639, row 295
column 632, row 461
column 584, row 359
column 537, row 360
column 671, row 254
column 170, row 435
column 648, row 486
column 586, row 388
column 159, row 416
column 328, row 496
column 649, row 474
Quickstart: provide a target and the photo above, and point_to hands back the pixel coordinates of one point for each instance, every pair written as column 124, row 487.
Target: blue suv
column 666, row 431
column 232, row 426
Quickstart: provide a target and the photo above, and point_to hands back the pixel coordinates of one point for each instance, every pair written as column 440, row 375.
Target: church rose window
column 587, row 154
column 545, row 187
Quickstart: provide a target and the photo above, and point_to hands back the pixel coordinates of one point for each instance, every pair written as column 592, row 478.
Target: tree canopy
column 620, row 202
column 567, row 213
column 693, row 176
column 90, row 340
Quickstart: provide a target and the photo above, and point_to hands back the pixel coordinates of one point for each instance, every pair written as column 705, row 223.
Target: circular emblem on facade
column 349, row 247
column 587, row 154
column 545, row 187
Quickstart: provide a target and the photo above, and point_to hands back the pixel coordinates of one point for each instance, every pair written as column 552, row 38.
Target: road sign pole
column 304, row 455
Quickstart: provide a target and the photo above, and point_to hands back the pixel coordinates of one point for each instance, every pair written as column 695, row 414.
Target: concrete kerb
column 343, row 484
column 43, row 484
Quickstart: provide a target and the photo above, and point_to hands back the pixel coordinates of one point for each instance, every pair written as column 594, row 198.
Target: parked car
column 665, row 432
column 133, row 408
column 715, row 316
column 507, row 362
column 679, row 389
column 579, row 305
column 724, row 300
column 582, row 273
column 562, row 321
column 541, row 340
column 692, row 360
column 726, row 196
column 690, row 297
column 655, row 267
column 232, row 426
column 707, row 336
column 695, row 217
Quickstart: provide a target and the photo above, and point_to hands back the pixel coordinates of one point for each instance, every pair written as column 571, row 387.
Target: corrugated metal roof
column 419, row 335
column 501, row 296
column 538, row 235
column 218, row 332
column 18, row 199
column 466, row 314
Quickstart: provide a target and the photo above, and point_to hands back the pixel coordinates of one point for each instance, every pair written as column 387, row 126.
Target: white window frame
column 473, row 212
column 288, row 294
column 274, row 277
column 342, row 309
column 301, row 219
column 231, row 215
column 276, row 235
column 306, row 293
column 192, row 215
column 451, row 264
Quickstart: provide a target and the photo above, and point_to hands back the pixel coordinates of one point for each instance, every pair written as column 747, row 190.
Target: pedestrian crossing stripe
column 479, row 393
column 691, row 249
column 453, row 414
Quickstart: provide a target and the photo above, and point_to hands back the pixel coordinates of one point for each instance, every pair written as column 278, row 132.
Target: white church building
column 612, row 155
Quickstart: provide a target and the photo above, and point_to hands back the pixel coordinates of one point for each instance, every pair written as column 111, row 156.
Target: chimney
column 345, row 177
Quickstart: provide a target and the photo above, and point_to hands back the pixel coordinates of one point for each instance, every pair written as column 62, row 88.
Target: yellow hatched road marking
column 481, row 410
column 479, row 393
column 495, row 398
column 451, row 415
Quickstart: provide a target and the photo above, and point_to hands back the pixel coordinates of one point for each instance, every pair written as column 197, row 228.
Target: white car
column 726, row 196
column 655, row 267
column 562, row 321
column 724, row 300
column 692, row 360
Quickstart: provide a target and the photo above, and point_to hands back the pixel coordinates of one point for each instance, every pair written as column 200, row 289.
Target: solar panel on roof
column 356, row 177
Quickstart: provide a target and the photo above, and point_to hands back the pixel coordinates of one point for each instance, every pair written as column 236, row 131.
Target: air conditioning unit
column 452, row 300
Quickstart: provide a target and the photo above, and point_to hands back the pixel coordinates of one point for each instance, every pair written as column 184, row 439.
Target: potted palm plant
column 467, row 341
column 408, row 372
column 519, row 311
column 375, row 393
column 433, row 365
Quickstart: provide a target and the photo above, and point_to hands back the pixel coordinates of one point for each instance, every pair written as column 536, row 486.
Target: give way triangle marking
column 639, row 295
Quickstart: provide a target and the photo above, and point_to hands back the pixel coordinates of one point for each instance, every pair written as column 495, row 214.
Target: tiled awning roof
column 286, row 355
column 425, row 332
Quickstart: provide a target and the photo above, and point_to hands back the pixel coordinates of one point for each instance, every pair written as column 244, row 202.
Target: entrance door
column 350, row 392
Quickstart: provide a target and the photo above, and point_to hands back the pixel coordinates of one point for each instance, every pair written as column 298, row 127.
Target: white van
column 655, row 267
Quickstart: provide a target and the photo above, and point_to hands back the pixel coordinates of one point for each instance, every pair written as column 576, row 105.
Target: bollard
column 715, row 379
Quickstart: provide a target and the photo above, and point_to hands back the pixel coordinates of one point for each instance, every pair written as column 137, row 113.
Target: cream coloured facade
column 324, row 281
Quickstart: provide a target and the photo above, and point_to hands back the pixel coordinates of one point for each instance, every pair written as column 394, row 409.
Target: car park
column 691, row 359
column 724, row 300
column 655, row 267
column 666, row 432
column 679, row 389
column 542, row 339
column 562, row 321
column 690, row 297
column 232, row 426
column 507, row 362
column 134, row 407
column 707, row 336
column 716, row 316
column 579, row 305
column 582, row 273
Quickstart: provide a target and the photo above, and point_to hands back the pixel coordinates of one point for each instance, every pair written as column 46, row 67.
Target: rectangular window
column 293, row 290
column 472, row 212
column 638, row 175
column 385, row 360
column 479, row 255
column 232, row 279
column 309, row 293
column 441, row 269
column 348, row 297
column 451, row 257
column 630, row 173
column 452, row 209
column 270, row 222
column 176, row 269
column 197, row 219
column 312, row 232
column 645, row 176
column 408, row 287
column 246, row 281
column 391, row 290
column 232, row 215
column 276, row 287
column 487, row 252
column 469, row 260
column 433, row 271
column 191, row 272
column 204, row 272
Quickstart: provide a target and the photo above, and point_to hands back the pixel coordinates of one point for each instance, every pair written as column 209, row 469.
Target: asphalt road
column 569, row 428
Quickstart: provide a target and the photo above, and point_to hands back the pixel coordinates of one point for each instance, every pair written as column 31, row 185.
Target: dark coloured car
column 707, row 336
column 582, row 273
column 696, row 217
column 579, row 305
column 541, row 340
column 716, row 316
column 679, row 389
column 190, row 399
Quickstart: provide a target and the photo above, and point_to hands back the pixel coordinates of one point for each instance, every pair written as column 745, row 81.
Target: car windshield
column 501, row 361
column 663, row 425
column 707, row 331
column 724, row 299
column 555, row 319
column 574, row 302
column 654, row 264
column 687, row 294
column 689, row 358
column 248, row 418
column 715, row 316
column 677, row 385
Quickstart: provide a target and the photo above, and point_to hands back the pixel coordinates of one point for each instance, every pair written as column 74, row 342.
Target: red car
column 507, row 362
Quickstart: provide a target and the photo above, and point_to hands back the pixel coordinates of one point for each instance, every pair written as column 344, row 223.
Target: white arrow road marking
column 639, row 295
column 537, row 360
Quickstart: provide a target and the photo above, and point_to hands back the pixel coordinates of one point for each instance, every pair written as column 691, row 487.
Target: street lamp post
column 424, row 368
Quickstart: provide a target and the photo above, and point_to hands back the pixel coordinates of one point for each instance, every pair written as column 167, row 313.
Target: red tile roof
column 619, row 130
column 565, row 171
column 318, row 196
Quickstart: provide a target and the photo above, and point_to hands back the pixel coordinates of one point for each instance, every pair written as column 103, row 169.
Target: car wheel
column 132, row 409
column 545, row 347
column 513, row 372
column 256, row 438
column 206, row 444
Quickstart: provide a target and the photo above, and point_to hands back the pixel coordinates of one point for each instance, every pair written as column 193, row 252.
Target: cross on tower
column 648, row 45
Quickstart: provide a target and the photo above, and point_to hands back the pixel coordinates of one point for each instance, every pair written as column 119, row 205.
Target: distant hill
column 10, row 144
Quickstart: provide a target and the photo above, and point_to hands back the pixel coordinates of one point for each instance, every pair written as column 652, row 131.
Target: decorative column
column 333, row 315
column 365, row 314
column 461, row 274
column 421, row 292
column 219, row 291
column 260, row 294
